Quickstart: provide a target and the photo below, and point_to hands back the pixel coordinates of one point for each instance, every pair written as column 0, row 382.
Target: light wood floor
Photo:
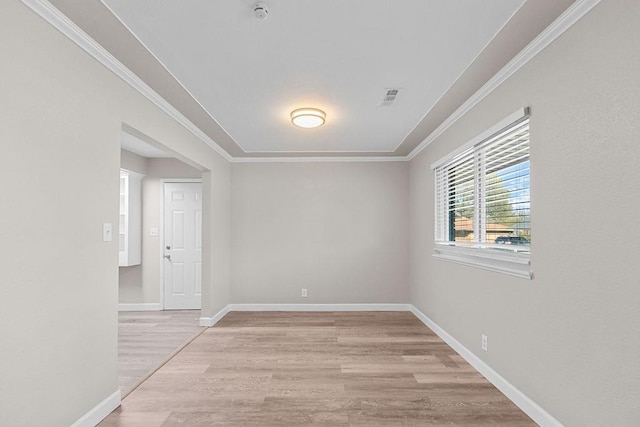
column 147, row 338
column 343, row 368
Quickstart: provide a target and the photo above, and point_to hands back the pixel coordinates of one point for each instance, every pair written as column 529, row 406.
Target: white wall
column 337, row 229
column 141, row 284
column 61, row 115
column 569, row 338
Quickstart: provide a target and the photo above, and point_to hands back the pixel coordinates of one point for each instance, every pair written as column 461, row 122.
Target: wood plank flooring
column 338, row 368
column 147, row 338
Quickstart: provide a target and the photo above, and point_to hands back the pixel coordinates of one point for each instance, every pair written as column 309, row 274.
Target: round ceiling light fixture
column 308, row 117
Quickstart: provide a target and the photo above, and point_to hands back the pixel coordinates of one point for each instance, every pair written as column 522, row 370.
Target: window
column 483, row 204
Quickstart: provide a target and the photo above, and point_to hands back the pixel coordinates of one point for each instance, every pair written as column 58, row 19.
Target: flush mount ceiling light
column 308, row 117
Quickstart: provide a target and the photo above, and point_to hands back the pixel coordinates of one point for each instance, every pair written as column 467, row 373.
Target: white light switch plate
column 107, row 234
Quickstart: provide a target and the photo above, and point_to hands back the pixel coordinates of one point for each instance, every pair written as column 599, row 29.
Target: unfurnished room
column 341, row 213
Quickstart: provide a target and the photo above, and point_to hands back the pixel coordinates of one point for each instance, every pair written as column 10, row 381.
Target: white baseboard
column 531, row 408
column 147, row 306
column 319, row 307
column 100, row 411
column 210, row 321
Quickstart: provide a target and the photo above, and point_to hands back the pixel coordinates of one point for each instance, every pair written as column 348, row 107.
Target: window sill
column 512, row 263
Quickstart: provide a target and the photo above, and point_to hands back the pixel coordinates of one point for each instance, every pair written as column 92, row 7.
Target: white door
column 182, row 245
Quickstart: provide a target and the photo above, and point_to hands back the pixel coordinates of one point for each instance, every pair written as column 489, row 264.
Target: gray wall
column 134, row 162
column 569, row 338
column 337, row 229
column 61, row 115
column 142, row 283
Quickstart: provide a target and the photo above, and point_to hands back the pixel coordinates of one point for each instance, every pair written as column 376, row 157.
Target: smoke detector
column 261, row 10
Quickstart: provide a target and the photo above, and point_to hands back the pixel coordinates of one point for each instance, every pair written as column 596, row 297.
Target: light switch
column 107, row 232
column 153, row 231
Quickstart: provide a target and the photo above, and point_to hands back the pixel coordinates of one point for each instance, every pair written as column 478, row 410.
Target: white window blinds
column 483, row 193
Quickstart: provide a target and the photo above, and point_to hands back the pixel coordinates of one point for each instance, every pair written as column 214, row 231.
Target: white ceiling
column 336, row 55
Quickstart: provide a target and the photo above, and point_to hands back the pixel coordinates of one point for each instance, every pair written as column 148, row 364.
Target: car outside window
column 482, row 195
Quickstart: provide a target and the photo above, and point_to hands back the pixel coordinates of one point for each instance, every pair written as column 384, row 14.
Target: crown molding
column 59, row 21
column 74, row 33
column 544, row 39
column 319, row 159
column 63, row 24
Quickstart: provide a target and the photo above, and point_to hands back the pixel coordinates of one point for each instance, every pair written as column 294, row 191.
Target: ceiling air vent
column 388, row 97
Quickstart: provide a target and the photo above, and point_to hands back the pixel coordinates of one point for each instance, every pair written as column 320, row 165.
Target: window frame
column 512, row 260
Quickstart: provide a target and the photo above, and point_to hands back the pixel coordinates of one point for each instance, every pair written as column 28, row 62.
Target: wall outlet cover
column 107, row 232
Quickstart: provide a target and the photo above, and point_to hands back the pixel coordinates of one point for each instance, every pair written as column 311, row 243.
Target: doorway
column 152, row 328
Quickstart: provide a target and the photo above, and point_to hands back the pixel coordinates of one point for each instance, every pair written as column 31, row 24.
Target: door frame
column 164, row 181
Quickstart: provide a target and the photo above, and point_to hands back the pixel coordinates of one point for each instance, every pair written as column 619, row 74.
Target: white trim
column 544, row 39
column 323, row 151
column 469, row 64
column 509, row 120
column 319, row 159
column 59, row 21
column 100, row 411
column 210, row 321
column 319, row 307
column 124, row 24
column 146, row 306
column 164, row 181
column 531, row 408
column 511, row 263
column 67, row 27
column 63, row 24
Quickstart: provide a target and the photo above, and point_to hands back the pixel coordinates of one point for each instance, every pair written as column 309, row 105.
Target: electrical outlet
column 304, row 292
column 485, row 342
